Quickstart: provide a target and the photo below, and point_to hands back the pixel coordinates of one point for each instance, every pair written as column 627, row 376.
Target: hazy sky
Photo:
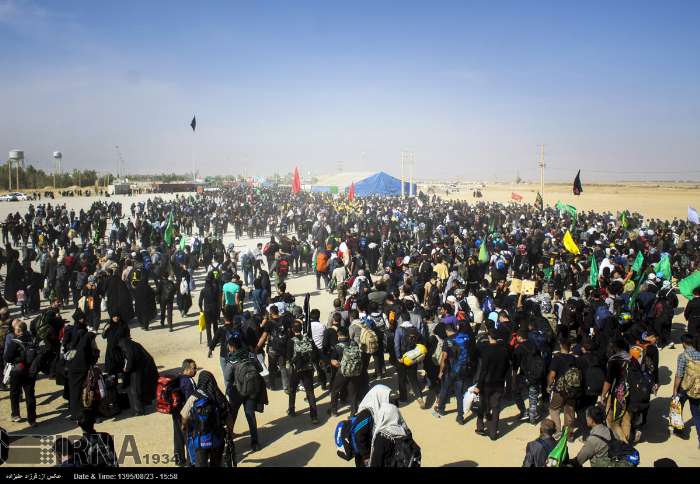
column 471, row 87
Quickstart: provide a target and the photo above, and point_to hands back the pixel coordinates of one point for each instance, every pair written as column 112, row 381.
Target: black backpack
column 246, row 378
column 406, row 453
column 278, row 338
column 593, row 380
column 640, row 385
column 433, row 297
column 534, row 366
column 410, row 339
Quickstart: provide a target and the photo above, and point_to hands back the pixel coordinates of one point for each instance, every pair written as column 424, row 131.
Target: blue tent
column 381, row 184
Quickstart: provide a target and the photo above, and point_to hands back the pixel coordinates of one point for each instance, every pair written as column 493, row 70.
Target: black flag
column 577, row 184
column 194, row 122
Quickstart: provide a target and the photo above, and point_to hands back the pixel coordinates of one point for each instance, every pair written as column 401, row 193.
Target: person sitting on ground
column 537, row 451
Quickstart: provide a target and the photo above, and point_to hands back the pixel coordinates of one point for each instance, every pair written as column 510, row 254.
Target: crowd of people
column 430, row 292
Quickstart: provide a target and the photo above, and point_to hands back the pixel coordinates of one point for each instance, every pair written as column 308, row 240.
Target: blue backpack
column 462, row 361
column 345, row 436
column 363, row 244
column 488, row 306
column 602, row 313
column 206, row 424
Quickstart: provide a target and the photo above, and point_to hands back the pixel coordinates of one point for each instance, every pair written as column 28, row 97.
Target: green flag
column 548, row 273
column 570, row 209
column 623, row 220
column 594, row 272
column 560, row 453
column 168, row 233
column 688, row 285
column 638, row 262
column 183, row 243
column 637, row 287
column 664, row 267
column 483, row 253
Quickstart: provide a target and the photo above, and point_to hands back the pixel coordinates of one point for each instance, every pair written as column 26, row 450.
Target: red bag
column 168, row 395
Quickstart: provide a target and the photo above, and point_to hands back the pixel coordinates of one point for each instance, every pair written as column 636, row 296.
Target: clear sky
column 472, row 88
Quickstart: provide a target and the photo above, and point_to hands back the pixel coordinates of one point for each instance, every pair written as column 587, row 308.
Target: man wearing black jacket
column 17, row 353
column 166, row 296
column 490, row 384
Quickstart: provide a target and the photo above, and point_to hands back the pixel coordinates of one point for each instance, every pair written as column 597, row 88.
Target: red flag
column 351, row 192
column 296, row 182
column 516, row 196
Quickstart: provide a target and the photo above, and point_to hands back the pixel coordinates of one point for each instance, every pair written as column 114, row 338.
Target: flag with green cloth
column 168, row 232
column 638, row 262
column 570, row 209
column 637, row 287
column 623, row 220
column 548, row 271
column 664, row 267
column 483, row 253
column 560, row 453
column 687, row 286
column 183, row 243
column 594, row 272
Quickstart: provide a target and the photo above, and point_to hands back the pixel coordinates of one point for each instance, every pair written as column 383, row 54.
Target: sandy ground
column 653, row 200
column 295, row 441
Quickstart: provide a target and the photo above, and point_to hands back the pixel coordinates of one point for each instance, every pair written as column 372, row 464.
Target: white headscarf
column 386, row 417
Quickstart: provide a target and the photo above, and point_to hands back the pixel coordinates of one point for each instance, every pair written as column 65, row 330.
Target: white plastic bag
column 675, row 416
column 6, row 374
column 470, row 399
column 261, row 360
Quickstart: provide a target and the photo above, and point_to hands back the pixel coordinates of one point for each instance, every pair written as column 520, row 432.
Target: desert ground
column 663, row 200
column 295, row 441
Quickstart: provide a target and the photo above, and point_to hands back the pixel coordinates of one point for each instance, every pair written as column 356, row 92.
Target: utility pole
column 411, row 164
column 541, row 164
column 403, row 162
column 9, row 174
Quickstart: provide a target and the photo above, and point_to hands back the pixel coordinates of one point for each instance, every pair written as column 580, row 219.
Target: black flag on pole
column 193, row 124
column 577, row 184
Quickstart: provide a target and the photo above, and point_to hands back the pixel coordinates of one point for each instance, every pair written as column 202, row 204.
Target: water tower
column 57, row 157
column 16, row 156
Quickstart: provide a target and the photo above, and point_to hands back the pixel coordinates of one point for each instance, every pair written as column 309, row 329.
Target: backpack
column 283, row 267
column 410, row 339
column 433, row 297
column 639, row 386
column 345, row 436
column 594, row 380
column 378, row 323
column 247, row 261
column 488, row 306
column 570, row 313
column 40, row 327
column 437, row 353
column 534, row 366
column 321, row 262
column 620, row 454
column 302, row 356
column 278, row 339
column 246, row 378
column 362, row 244
column 351, row 362
column 461, row 363
column 168, row 395
column 691, row 379
column 207, row 425
column 406, row 453
column 29, row 355
column 184, row 287
column 602, row 314
column 569, row 384
column 368, row 340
